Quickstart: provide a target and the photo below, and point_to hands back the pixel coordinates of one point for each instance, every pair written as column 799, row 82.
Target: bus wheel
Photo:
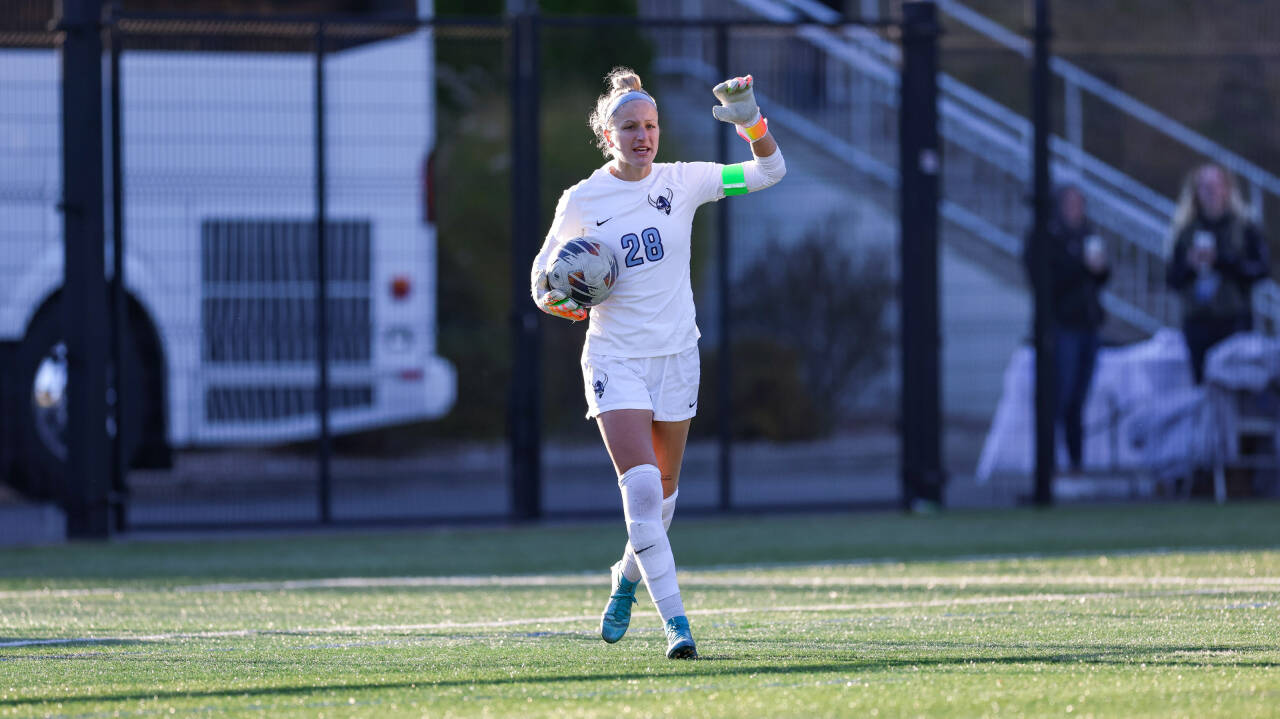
column 41, row 382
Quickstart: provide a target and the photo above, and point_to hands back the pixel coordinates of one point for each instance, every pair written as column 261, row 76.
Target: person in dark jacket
column 1216, row 254
column 1078, row 258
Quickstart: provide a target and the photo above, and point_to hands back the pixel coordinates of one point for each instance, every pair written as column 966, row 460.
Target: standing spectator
column 1216, row 254
column 1078, row 258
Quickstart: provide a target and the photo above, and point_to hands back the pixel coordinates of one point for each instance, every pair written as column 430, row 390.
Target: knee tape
column 642, row 504
column 631, row 567
column 642, row 507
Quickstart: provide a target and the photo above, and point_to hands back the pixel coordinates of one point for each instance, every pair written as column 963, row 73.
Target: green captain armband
column 733, row 180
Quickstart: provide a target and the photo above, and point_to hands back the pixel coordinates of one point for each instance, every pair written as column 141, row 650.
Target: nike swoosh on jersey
column 651, row 546
column 601, row 222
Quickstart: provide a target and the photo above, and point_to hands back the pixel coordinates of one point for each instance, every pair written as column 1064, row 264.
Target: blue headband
column 628, row 97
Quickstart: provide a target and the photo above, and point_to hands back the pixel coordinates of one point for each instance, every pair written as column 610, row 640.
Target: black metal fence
column 352, row 204
column 1121, row 132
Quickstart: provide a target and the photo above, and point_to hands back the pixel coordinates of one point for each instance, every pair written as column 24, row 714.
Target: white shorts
column 667, row 385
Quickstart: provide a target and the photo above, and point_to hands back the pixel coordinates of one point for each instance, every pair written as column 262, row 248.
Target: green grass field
column 1157, row 611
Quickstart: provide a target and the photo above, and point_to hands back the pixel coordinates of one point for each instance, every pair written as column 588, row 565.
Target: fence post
column 525, row 405
column 126, row 378
column 87, row 481
column 919, row 163
column 324, row 450
column 1041, row 270
column 724, row 358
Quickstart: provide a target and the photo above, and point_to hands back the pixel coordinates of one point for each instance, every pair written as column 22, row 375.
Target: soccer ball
column 584, row 270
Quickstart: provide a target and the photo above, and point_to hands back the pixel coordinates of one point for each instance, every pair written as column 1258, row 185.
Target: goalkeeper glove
column 555, row 302
column 738, row 106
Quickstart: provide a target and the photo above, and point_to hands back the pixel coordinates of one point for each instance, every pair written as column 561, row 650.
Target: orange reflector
column 400, row 287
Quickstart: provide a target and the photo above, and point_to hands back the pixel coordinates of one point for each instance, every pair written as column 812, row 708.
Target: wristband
column 755, row 130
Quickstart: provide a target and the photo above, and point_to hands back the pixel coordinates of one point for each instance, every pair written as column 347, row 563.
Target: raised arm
column 738, row 107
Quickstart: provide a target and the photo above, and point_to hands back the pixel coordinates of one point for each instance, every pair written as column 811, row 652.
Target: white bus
column 220, row 262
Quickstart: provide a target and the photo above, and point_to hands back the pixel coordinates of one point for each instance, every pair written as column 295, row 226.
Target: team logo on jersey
column 600, row 379
column 663, row 203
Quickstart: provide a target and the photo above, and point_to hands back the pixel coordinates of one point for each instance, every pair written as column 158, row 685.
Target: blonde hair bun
column 624, row 79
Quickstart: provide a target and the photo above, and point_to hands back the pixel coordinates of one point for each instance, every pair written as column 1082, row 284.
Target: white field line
column 533, row 621
column 979, row 558
column 691, row 579
column 445, row 626
column 699, row 579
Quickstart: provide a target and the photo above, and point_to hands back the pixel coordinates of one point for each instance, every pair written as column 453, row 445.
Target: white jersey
column 648, row 224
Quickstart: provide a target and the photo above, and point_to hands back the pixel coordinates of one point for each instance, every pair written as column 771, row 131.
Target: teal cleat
column 679, row 639
column 617, row 614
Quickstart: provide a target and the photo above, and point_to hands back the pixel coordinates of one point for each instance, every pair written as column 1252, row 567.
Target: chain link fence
column 241, row 300
column 327, row 201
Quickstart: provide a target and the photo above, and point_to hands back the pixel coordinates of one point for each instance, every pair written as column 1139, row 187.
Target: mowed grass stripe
column 641, row 616
column 816, row 629
column 689, row 578
column 752, row 541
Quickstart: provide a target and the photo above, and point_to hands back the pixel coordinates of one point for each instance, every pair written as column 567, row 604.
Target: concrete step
column 31, row 523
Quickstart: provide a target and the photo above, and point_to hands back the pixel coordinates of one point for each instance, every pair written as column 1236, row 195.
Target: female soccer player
column 640, row 359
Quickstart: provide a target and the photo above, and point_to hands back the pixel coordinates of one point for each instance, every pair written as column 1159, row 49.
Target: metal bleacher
column 851, row 110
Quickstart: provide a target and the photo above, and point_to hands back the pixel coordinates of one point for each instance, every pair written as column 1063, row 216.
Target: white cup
column 1095, row 250
column 1203, row 247
column 1203, row 240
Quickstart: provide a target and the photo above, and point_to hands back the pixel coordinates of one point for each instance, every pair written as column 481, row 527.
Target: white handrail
column 1136, row 214
column 997, row 112
column 1114, row 96
column 979, row 227
column 1159, row 207
column 1155, row 207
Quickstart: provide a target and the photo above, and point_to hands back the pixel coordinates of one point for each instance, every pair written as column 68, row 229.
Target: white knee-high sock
column 642, row 507
column 630, row 567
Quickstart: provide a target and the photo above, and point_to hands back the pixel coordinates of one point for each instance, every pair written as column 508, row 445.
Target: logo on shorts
column 601, row 379
column 663, row 203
